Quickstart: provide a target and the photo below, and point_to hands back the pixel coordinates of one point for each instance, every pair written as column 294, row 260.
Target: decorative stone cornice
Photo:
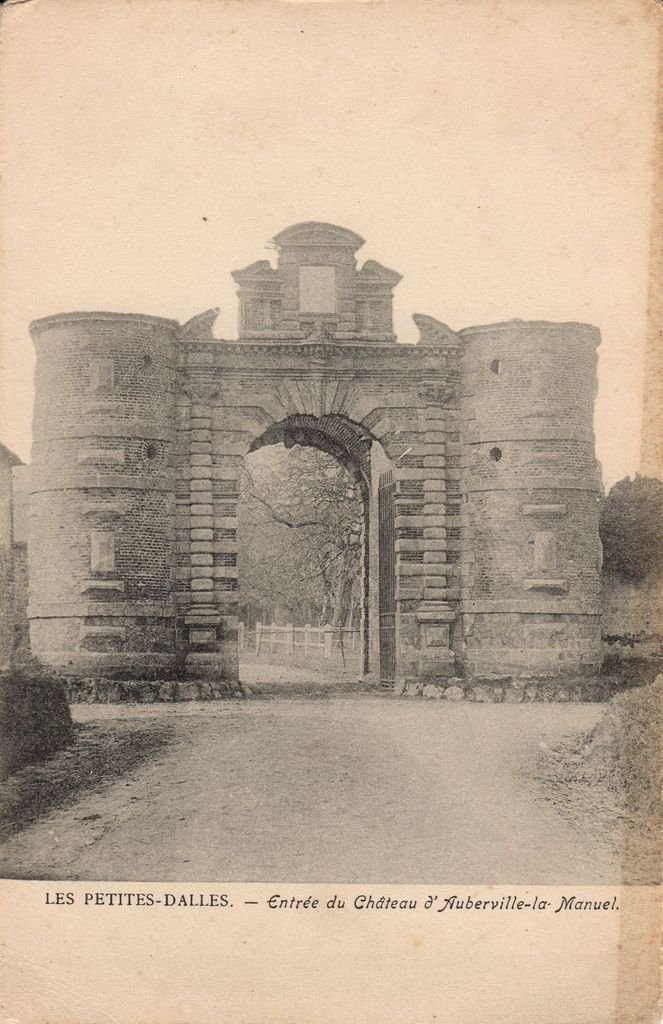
column 379, row 350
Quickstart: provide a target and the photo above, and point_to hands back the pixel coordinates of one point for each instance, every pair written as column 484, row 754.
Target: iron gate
column 387, row 578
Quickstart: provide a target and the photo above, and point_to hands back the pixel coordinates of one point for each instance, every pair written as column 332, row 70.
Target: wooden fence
column 325, row 642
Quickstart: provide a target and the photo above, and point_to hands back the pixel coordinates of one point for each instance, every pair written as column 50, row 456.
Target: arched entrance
column 316, row 402
column 141, row 427
column 316, row 364
column 393, row 494
column 301, row 536
column 353, row 448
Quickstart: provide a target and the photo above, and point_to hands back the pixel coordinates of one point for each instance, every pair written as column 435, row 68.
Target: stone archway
column 141, row 425
column 317, row 360
column 367, row 439
column 353, row 447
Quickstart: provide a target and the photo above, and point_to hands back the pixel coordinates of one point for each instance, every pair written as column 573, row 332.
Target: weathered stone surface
column 130, row 691
column 453, row 693
column 486, row 431
column 13, row 558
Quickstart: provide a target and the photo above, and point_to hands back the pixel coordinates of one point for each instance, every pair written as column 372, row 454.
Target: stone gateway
column 473, row 449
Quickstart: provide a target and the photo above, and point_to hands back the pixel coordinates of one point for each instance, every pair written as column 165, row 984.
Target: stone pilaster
column 435, row 615
column 424, row 615
column 202, row 617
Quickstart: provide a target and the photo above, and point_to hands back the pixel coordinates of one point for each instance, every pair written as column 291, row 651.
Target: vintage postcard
column 331, row 512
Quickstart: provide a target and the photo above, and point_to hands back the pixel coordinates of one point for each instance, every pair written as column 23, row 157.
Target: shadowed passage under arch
column 353, row 447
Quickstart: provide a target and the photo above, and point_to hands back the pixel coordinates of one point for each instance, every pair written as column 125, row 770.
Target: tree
column 300, row 529
column 631, row 528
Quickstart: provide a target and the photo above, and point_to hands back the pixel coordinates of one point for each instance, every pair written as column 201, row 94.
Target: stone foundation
column 131, row 691
column 509, row 690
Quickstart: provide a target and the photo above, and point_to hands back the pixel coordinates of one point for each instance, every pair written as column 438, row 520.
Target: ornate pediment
column 199, row 326
column 374, row 272
column 316, row 275
column 317, row 233
column 434, row 332
column 262, row 270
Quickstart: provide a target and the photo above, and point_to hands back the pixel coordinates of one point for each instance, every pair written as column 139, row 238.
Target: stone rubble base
column 499, row 690
column 114, row 691
column 507, row 690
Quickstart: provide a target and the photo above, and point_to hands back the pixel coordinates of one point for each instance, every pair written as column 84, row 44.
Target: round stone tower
column 102, row 494
column 530, row 552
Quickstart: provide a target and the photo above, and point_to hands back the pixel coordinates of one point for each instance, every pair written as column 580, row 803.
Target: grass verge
column 101, row 753
column 614, row 774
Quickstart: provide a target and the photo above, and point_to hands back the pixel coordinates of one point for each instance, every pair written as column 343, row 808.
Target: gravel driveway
column 350, row 788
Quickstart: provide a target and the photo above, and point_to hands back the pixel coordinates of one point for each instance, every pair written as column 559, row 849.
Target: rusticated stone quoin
column 483, row 438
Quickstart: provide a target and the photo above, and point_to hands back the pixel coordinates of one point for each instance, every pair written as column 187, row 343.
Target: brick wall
column 141, row 426
column 529, row 547
column 102, row 494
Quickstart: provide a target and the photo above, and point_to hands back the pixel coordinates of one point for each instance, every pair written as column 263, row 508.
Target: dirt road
column 360, row 788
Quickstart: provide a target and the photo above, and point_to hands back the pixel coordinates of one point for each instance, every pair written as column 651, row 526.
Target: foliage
column 626, row 743
column 300, row 525
column 631, row 528
column 613, row 773
column 34, row 718
column 101, row 752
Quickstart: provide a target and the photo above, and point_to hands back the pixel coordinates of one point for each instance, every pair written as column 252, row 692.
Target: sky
column 499, row 155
